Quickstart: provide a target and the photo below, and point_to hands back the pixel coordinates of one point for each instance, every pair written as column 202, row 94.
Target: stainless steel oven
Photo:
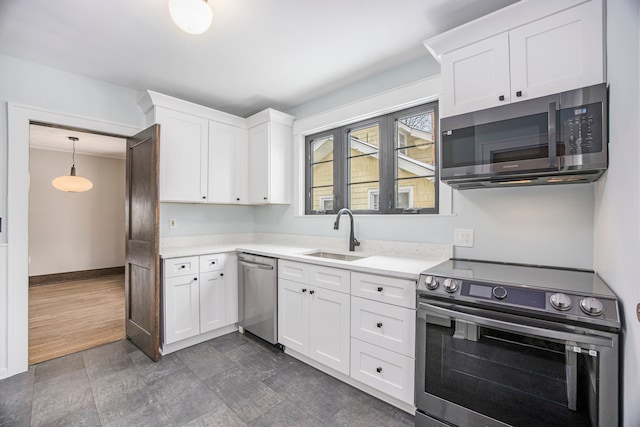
column 515, row 345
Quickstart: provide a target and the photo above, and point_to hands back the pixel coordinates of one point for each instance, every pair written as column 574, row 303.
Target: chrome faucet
column 353, row 242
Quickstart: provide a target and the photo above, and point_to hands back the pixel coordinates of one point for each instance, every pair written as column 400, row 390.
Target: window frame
column 387, row 162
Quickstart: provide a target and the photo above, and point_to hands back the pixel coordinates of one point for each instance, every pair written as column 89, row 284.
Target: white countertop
column 403, row 267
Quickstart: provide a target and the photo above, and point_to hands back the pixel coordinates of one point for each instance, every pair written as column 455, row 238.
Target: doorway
column 76, row 242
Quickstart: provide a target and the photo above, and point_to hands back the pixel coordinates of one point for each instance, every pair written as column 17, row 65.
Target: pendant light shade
column 72, row 183
column 191, row 16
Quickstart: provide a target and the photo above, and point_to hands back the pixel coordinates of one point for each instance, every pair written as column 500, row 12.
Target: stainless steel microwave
column 554, row 139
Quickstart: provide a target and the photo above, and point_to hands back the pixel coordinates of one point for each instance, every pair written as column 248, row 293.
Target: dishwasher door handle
column 250, row 264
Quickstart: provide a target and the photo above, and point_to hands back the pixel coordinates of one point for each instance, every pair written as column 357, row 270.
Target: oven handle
column 450, row 311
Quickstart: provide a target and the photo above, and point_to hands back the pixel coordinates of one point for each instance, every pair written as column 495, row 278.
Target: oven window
column 516, row 379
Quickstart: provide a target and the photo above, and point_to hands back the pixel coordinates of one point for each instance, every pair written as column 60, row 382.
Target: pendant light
column 71, row 182
column 191, row 16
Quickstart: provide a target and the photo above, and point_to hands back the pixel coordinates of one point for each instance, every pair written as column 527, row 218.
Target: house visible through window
column 382, row 165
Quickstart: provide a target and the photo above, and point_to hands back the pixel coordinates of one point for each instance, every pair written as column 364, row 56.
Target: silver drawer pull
column 378, row 369
column 379, row 324
column 379, row 288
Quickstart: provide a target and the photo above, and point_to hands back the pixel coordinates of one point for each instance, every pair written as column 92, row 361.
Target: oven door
column 481, row 367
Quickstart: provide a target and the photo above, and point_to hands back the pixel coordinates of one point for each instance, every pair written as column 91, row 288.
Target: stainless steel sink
column 331, row 255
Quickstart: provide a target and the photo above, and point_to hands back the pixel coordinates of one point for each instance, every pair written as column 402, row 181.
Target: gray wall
column 75, row 231
column 200, row 219
column 617, row 210
column 30, row 84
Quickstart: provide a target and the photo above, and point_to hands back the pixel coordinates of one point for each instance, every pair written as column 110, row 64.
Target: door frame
column 17, row 297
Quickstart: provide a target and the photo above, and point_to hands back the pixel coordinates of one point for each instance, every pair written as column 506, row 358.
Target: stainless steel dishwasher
column 258, row 296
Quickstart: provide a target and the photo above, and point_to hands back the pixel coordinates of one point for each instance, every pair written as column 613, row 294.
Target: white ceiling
column 57, row 139
column 258, row 53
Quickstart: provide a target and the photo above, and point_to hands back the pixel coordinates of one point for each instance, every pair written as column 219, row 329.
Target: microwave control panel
column 581, row 129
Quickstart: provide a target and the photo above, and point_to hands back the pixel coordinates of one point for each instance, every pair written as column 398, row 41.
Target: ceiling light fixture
column 71, row 182
column 191, row 16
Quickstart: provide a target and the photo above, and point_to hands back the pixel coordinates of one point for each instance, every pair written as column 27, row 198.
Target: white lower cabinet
column 329, row 328
column 383, row 331
column 212, row 301
column 361, row 325
column 385, row 325
column 382, row 369
column 312, row 320
column 200, row 302
column 181, row 308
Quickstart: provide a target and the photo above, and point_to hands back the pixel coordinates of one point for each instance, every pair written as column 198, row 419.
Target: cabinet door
column 558, row 53
column 181, row 308
column 259, row 158
column 183, row 156
column 293, row 315
column 476, row 76
column 231, row 287
column 212, row 301
column 387, row 371
column 384, row 325
column 241, row 162
column 227, row 160
column 329, row 328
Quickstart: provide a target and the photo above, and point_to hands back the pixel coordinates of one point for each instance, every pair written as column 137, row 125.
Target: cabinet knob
column 238, row 198
column 501, row 98
column 195, row 278
column 379, row 288
column 204, row 197
column 265, row 198
column 378, row 369
column 379, row 324
column 183, row 266
column 312, row 292
column 519, row 93
column 221, row 274
column 304, row 290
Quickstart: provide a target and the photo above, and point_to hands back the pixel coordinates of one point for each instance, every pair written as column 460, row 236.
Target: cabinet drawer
column 213, row 262
column 389, row 290
column 330, row 278
column 295, row 271
column 384, row 325
column 174, row 267
column 389, row 372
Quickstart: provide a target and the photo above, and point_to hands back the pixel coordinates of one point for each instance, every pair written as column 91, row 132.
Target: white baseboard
column 175, row 346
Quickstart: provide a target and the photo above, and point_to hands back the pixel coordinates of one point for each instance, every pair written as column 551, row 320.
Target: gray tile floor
column 234, row 380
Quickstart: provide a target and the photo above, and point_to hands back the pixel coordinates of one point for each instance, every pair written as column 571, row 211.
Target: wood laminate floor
column 72, row 316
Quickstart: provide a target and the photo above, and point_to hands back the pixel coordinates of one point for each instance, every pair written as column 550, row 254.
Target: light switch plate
column 463, row 237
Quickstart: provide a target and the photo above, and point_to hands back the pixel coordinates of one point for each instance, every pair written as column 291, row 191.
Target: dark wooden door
column 142, row 266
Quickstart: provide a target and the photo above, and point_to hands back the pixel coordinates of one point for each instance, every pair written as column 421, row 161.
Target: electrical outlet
column 172, row 223
column 463, row 237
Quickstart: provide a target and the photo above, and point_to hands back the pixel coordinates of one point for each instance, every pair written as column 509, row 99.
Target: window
column 382, row 165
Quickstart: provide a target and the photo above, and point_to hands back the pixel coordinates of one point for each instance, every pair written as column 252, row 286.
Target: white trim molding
column 17, row 320
column 406, row 96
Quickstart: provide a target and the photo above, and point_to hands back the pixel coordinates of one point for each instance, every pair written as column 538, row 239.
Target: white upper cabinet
column 270, row 147
column 209, row 156
column 184, row 140
column 476, row 76
column 558, row 53
column 543, row 51
column 227, row 181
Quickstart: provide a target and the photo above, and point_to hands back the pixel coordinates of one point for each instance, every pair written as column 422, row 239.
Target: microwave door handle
column 551, row 129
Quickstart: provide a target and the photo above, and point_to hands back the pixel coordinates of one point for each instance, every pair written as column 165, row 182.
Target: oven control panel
column 558, row 304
